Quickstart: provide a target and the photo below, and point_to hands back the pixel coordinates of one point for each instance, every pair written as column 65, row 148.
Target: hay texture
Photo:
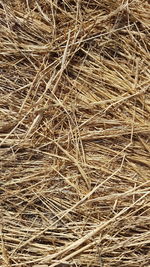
column 75, row 133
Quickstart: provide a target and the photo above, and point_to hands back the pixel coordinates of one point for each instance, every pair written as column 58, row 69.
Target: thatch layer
column 74, row 133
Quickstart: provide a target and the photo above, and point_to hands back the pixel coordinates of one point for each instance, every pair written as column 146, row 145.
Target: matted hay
column 75, row 133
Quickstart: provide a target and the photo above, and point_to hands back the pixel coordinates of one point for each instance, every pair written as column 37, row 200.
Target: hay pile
column 74, row 133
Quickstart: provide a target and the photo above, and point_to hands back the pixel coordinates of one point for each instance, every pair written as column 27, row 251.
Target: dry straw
column 74, row 133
